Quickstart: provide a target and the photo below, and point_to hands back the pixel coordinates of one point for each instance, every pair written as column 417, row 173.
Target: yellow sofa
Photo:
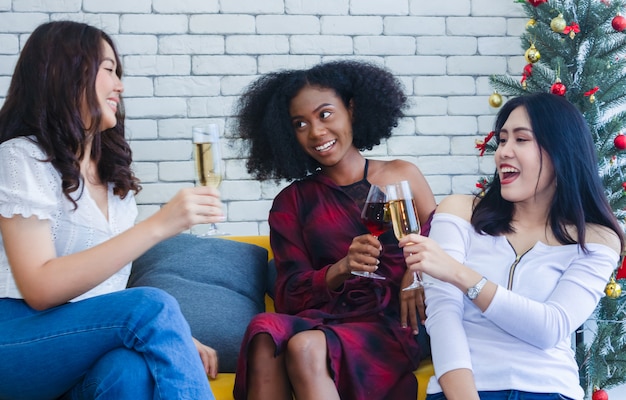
column 223, row 385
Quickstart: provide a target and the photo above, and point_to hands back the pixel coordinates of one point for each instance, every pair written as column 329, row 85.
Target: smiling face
column 323, row 124
column 525, row 170
column 108, row 87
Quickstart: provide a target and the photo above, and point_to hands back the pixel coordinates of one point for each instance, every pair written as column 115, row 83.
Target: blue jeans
column 133, row 344
column 507, row 395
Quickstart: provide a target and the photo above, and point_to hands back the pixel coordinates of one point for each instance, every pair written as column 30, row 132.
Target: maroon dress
column 312, row 224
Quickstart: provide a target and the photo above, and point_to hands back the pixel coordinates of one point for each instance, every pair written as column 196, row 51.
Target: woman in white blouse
column 67, row 213
column 515, row 272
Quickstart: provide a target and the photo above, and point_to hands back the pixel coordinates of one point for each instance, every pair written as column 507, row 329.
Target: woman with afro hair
column 335, row 335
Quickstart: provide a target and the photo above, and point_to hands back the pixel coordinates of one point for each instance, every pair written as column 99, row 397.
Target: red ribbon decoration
column 573, row 27
column 482, row 146
column 528, row 71
column 482, row 184
column 592, row 91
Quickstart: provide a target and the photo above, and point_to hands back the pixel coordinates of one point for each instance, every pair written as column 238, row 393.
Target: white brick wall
column 186, row 61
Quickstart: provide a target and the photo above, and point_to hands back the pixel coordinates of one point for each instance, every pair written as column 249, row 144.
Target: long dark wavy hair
column 561, row 130
column 54, row 76
column 265, row 124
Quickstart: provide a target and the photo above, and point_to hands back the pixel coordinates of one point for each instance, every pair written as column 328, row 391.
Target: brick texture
column 186, row 61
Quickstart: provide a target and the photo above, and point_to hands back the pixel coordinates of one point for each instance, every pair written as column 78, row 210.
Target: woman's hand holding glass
column 190, row 206
column 424, row 255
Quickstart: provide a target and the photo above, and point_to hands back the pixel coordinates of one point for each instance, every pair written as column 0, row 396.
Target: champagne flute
column 404, row 218
column 208, row 161
column 375, row 216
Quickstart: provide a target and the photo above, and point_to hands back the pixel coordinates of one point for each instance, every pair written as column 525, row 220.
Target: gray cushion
column 219, row 283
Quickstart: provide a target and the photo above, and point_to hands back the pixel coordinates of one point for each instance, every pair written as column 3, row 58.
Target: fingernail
column 415, row 333
column 404, row 326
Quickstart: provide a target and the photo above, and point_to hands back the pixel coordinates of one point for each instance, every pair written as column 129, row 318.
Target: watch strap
column 474, row 291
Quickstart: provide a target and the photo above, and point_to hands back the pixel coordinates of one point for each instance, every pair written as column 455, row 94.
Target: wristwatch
column 474, row 291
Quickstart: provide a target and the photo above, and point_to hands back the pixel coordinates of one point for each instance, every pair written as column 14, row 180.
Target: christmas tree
column 577, row 49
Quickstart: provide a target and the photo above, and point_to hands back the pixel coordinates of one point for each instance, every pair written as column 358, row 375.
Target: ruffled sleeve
column 28, row 185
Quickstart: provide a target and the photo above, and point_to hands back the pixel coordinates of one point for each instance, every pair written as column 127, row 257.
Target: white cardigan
column 523, row 340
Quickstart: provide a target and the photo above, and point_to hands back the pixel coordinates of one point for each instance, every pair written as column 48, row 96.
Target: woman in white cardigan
column 513, row 273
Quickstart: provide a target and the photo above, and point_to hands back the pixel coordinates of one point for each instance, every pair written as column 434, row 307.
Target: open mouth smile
column 326, row 146
column 508, row 174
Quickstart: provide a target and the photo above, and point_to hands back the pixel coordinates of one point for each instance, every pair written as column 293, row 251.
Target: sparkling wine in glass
column 208, row 161
column 404, row 218
column 375, row 216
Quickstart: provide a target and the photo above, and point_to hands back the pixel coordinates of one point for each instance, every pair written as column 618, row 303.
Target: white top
column 523, row 340
column 30, row 187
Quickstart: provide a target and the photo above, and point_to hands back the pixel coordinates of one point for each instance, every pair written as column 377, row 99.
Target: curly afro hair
column 265, row 124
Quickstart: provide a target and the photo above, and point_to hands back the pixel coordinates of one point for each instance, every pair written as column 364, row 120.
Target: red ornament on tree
column 620, row 141
column 621, row 272
column 619, row 23
column 535, row 3
column 599, row 394
column 558, row 88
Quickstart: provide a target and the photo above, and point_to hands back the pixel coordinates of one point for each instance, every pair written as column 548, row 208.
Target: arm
column 46, row 280
column 459, row 385
column 542, row 322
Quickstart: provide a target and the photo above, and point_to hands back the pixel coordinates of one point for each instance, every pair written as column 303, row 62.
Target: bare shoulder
column 397, row 167
column 460, row 205
column 602, row 235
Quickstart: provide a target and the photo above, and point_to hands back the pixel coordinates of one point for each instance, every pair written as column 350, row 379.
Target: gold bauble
column 532, row 54
column 531, row 22
column 592, row 98
column 495, row 100
column 558, row 24
column 613, row 289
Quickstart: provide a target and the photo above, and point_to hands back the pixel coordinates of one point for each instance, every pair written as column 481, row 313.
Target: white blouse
column 29, row 186
column 523, row 339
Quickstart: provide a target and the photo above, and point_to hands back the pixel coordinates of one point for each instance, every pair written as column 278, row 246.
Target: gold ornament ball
column 558, row 24
column 532, row 54
column 531, row 22
column 495, row 100
column 613, row 289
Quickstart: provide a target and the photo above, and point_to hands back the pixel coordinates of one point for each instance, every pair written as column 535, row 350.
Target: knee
column 147, row 294
column 306, row 351
column 153, row 306
column 153, row 298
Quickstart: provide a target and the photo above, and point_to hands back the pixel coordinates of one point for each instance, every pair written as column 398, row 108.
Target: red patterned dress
column 312, row 224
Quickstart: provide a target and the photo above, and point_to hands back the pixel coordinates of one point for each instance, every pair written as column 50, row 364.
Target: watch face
column 473, row 292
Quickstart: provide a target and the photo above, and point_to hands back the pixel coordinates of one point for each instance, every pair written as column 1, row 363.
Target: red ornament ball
column 535, row 3
column 619, row 23
column 620, row 141
column 558, row 88
column 599, row 394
